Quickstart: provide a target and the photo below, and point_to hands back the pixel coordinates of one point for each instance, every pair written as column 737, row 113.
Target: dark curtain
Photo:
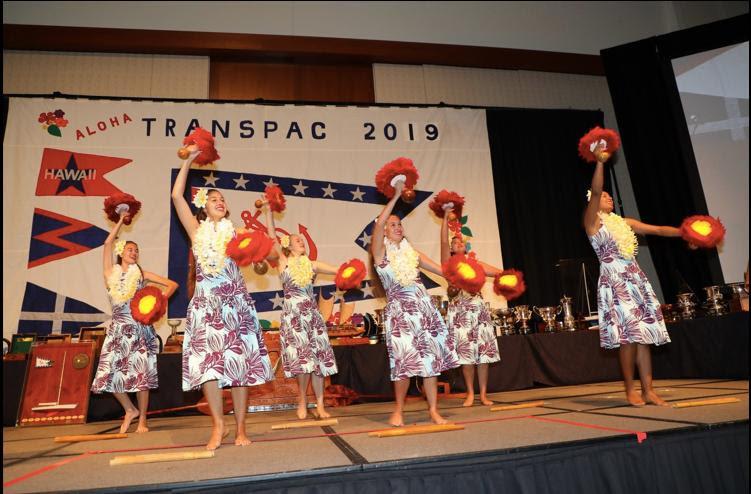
column 657, row 145
column 540, row 193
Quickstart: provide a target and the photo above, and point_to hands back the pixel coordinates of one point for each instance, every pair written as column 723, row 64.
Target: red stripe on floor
column 45, row 469
column 640, row 436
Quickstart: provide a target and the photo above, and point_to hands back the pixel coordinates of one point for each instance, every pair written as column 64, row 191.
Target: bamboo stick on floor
column 158, row 457
column 530, row 404
column 699, row 403
column 304, row 423
column 88, row 437
column 416, row 429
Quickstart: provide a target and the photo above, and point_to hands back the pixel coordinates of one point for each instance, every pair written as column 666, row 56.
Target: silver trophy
column 174, row 341
column 379, row 323
column 548, row 315
column 569, row 321
column 714, row 304
column 441, row 305
column 738, row 296
column 687, row 305
column 523, row 315
column 503, row 320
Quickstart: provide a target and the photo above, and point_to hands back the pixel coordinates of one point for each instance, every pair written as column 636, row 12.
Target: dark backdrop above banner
column 540, row 190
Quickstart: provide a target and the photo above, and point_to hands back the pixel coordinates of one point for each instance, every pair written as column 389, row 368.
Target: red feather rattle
column 148, row 305
column 119, row 203
column 202, row 140
column 599, row 144
column 350, row 274
column 401, row 169
column 703, row 231
column 464, row 272
column 509, row 283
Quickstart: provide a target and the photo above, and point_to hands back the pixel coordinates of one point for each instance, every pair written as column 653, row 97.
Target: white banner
column 59, row 166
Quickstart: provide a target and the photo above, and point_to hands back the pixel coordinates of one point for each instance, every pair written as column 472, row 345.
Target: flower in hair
column 284, row 241
column 120, row 247
column 201, row 197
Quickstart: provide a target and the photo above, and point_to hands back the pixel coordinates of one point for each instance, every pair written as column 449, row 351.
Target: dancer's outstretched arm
column 108, row 243
column 376, row 242
column 189, row 222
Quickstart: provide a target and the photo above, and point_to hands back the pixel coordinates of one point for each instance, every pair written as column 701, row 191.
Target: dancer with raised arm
column 470, row 321
column 128, row 360
column 223, row 345
column 629, row 312
column 418, row 341
column 305, row 347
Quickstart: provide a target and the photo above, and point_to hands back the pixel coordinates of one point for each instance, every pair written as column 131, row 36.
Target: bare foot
column 142, row 427
column 322, row 413
column 485, row 401
column 302, row 411
column 396, row 419
column 437, row 419
column 217, row 434
column 635, row 399
column 651, row 397
column 469, row 400
column 129, row 416
column 242, row 440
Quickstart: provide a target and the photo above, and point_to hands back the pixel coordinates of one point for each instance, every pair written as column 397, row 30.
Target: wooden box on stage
column 57, row 385
column 281, row 393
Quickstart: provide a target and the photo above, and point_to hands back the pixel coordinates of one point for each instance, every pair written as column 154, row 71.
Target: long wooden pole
column 88, row 437
column 416, row 429
column 304, row 423
column 530, row 404
column 159, row 457
column 715, row 401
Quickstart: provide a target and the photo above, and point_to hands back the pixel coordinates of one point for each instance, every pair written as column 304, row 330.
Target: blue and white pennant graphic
column 271, row 300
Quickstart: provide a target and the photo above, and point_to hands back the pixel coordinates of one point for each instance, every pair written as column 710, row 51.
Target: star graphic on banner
column 328, row 191
column 338, row 295
column 240, row 182
column 300, row 188
column 67, row 183
column 357, row 194
column 270, row 182
column 210, row 179
column 367, row 290
column 365, row 239
column 276, row 300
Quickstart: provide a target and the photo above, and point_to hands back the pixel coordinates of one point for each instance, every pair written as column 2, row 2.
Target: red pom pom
column 703, row 231
column 111, row 203
column 148, row 305
column 205, row 142
column 465, row 273
column 509, row 283
column 444, row 197
column 612, row 143
column 276, row 199
column 249, row 247
column 350, row 274
column 400, row 166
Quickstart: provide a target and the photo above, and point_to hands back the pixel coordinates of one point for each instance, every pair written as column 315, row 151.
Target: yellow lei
column 210, row 243
column 403, row 260
column 624, row 236
column 122, row 288
column 300, row 270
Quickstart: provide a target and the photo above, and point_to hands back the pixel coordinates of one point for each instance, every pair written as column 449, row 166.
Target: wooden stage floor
column 32, row 462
